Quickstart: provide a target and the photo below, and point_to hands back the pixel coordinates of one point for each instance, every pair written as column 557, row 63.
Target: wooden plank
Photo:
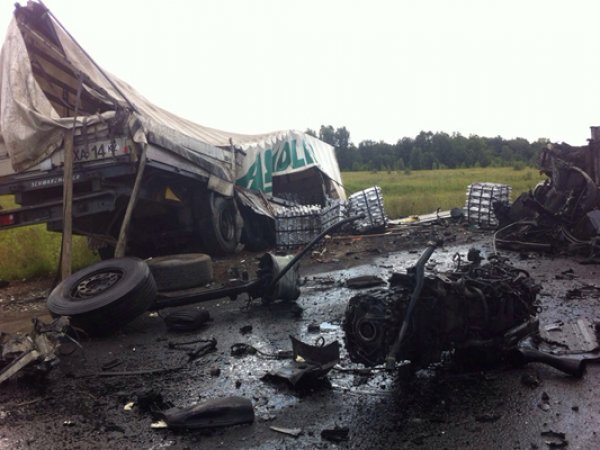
column 67, row 240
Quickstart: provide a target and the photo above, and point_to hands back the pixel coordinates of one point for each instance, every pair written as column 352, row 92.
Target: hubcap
column 96, row 283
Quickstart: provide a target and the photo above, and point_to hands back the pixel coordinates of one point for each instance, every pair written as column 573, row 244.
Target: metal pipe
column 269, row 289
column 419, row 269
column 191, row 296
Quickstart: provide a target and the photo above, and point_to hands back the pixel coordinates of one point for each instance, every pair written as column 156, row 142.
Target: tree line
column 429, row 151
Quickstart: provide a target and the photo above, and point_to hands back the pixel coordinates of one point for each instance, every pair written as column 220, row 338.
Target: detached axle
column 276, row 279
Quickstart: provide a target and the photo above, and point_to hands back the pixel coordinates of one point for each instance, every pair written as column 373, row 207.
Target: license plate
column 100, row 150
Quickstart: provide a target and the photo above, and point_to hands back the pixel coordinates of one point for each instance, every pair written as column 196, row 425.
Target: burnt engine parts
column 472, row 312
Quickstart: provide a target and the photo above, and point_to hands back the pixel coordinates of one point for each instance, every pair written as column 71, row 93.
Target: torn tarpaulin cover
column 310, row 362
column 34, row 352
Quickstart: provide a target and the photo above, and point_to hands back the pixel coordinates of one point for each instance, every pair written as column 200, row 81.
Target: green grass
column 30, row 252
column 423, row 191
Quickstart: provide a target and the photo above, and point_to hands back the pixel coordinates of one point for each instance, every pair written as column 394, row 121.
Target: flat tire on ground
column 184, row 271
column 104, row 296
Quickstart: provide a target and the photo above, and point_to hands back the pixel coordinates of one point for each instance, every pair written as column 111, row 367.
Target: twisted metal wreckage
column 562, row 213
column 474, row 316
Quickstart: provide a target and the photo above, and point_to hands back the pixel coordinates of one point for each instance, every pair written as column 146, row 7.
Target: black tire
column 104, row 296
column 221, row 225
column 183, row 271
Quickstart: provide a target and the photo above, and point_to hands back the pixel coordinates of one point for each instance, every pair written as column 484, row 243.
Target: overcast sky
column 383, row 69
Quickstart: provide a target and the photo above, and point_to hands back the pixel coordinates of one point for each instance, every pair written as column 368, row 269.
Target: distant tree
column 311, row 132
column 428, row 150
column 327, row 134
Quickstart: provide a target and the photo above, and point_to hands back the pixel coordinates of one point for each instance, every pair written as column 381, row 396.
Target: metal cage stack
column 480, row 199
column 297, row 225
column 334, row 212
column 370, row 203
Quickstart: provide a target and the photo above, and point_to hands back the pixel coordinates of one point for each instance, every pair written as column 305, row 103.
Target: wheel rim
column 96, row 283
column 227, row 224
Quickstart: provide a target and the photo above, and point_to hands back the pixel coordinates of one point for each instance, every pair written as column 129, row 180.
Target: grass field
column 423, row 191
column 32, row 251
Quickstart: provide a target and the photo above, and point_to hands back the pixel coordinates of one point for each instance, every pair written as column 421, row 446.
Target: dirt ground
column 80, row 405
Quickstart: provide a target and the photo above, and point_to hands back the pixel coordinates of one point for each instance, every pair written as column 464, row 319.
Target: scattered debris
column 577, row 339
column 364, row 281
column 188, row 319
column 310, row 362
column 328, row 327
column 544, row 406
column 487, row 417
column 554, row 326
column 568, row 274
column 207, row 346
column 246, row 329
column 555, row 439
column 34, row 353
column 220, row 412
column 530, row 380
column 295, row 432
column 527, row 351
column 313, row 327
column 337, row 434
column 111, row 364
column 242, row 349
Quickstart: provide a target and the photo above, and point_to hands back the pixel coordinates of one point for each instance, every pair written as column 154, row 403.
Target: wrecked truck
column 562, row 213
column 140, row 175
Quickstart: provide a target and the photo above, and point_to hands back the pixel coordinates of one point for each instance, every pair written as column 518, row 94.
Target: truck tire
column 183, row 271
column 104, row 296
column 222, row 226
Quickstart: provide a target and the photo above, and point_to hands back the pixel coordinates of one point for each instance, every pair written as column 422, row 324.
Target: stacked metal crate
column 297, row 225
column 370, row 203
column 480, row 199
column 335, row 211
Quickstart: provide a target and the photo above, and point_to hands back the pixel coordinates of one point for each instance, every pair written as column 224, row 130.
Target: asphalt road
column 78, row 407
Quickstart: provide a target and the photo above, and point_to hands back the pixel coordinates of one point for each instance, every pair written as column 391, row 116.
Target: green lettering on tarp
column 290, row 154
column 309, row 153
column 253, row 178
column 296, row 162
column 259, row 177
column 268, row 177
column 282, row 158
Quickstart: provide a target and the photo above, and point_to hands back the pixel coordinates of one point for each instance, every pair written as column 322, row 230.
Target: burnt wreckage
column 563, row 212
column 479, row 314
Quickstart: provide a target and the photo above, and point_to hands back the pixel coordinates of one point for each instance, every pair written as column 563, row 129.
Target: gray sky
column 384, row 69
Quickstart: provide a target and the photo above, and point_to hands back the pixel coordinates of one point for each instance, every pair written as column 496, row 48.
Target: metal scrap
column 210, row 414
column 33, row 353
column 561, row 213
column 310, row 362
column 295, row 432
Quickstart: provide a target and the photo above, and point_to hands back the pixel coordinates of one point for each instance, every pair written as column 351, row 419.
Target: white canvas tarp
column 31, row 129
